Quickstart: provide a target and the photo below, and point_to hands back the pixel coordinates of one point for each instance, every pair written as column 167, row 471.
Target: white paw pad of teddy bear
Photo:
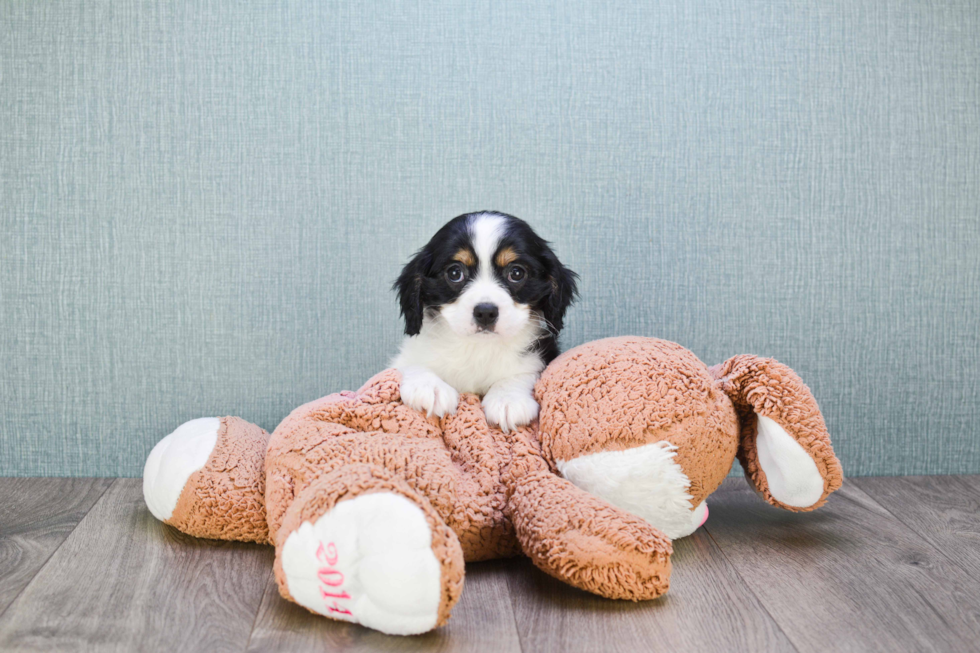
column 173, row 460
column 368, row 560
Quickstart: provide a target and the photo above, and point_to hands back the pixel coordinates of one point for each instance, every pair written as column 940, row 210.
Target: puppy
column 483, row 303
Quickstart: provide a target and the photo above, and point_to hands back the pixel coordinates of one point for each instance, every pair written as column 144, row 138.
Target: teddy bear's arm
column 579, row 538
column 587, row 542
column 207, row 479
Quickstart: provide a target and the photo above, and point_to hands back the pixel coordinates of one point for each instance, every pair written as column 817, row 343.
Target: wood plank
column 943, row 510
column 482, row 621
column 846, row 577
column 123, row 581
column 36, row 515
column 707, row 608
column 973, row 480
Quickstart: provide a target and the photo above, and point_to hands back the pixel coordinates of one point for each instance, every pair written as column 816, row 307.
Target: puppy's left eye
column 516, row 274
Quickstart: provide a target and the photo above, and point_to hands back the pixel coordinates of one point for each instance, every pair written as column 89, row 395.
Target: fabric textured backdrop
column 204, row 204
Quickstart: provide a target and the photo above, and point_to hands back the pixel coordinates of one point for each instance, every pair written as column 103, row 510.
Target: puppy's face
column 486, row 274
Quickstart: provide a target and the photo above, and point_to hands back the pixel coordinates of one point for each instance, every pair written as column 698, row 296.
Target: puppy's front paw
column 509, row 409
column 427, row 393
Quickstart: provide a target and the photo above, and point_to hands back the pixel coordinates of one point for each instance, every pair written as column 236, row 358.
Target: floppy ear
column 409, row 289
column 563, row 292
column 784, row 446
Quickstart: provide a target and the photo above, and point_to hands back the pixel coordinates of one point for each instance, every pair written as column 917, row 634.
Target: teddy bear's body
column 374, row 507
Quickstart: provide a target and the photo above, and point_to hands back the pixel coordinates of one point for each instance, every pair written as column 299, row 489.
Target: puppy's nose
column 485, row 315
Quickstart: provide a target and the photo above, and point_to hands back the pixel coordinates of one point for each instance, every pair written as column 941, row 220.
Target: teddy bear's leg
column 360, row 545
column 207, row 479
column 784, row 447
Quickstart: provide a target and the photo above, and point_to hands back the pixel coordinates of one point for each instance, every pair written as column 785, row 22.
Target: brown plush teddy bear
column 373, row 507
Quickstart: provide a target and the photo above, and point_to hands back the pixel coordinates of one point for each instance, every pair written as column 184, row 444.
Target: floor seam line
column 924, row 537
column 57, row 548
column 758, row 598
column 513, row 611
column 258, row 609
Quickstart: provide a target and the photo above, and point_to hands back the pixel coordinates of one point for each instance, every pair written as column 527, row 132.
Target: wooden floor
column 890, row 564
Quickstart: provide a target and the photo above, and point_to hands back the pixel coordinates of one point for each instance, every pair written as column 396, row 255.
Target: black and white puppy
column 483, row 303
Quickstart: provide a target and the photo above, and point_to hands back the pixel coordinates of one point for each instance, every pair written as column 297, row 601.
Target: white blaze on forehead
column 486, row 230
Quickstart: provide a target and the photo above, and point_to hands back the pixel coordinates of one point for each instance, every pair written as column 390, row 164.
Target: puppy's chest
column 475, row 367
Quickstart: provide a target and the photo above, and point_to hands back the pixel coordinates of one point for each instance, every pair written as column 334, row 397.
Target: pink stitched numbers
column 331, row 578
column 327, row 555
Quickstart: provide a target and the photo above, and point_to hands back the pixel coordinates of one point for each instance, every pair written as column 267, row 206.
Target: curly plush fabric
column 226, row 499
column 456, row 462
column 621, row 393
column 488, row 494
column 763, row 386
column 356, row 480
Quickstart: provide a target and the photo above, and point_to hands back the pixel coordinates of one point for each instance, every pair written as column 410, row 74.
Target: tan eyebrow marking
column 465, row 257
column 505, row 256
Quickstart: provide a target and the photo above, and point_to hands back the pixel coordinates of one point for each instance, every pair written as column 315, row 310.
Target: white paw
column 508, row 408
column 368, row 561
column 426, row 392
column 173, row 460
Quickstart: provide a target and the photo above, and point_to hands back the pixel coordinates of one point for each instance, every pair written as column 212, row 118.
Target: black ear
column 563, row 292
column 409, row 289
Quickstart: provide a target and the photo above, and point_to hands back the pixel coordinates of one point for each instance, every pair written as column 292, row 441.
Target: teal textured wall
column 203, row 204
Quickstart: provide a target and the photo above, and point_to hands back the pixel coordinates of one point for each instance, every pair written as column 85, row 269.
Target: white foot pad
column 173, row 460
column 645, row 481
column 368, row 561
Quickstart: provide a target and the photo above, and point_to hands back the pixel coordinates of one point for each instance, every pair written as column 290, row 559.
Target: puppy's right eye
column 455, row 273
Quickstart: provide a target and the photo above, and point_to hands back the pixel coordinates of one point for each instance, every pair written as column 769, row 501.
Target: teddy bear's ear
column 409, row 289
column 784, row 446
